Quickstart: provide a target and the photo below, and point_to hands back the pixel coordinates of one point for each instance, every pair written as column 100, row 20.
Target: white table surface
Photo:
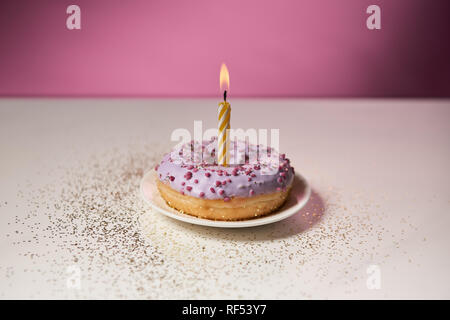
column 72, row 224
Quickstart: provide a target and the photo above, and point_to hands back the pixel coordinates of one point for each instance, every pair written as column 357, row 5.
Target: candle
column 224, row 119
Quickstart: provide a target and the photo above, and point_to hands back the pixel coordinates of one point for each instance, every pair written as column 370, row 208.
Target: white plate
column 298, row 197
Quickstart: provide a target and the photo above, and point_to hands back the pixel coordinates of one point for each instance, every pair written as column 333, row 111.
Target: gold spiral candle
column 224, row 119
column 223, row 139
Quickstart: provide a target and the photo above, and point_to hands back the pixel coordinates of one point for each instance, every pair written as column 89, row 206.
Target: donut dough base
column 235, row 209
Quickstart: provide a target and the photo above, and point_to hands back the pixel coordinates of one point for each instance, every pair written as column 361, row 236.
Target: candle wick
column 225, row 95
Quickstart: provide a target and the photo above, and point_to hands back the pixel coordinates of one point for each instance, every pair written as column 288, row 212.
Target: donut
column 256, row 182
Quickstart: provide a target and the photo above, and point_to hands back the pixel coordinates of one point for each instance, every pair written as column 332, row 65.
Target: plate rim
column 230, row 224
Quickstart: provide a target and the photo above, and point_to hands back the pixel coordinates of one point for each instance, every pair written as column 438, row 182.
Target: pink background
column 272, row 48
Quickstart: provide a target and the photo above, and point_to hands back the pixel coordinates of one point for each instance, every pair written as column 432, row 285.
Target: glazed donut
column 255, row 183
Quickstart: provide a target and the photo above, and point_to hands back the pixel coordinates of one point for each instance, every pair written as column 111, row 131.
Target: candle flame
column 224, row 78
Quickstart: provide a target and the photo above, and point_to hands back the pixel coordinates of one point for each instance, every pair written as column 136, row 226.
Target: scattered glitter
column 124, row 249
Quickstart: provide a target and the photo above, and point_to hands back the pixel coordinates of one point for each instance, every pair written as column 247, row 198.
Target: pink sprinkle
column 157, row 167
column 195, row 169
column 229, row 180
column 188, row 188
column 252, row 192
column 278, row 189
column 188, row 175
column 195, row 181
column 218, row 183
column 171, row 178
column 207, row 174
column 221, row 191
column 202, row 194
column 226, row 199
column 253, row 175
column 212, row 190
column 224, row 182
column 219, row 173
column 183, row 183
column 257, row 167
column 249, row 179
column 190, row 167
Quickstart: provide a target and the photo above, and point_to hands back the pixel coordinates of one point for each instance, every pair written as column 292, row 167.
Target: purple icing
column 254, row 170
